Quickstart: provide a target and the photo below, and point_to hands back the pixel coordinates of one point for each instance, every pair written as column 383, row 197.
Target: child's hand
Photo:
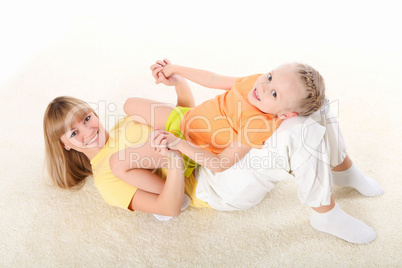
column 167, row 67
column 158, row 142
column 161, row 73
column 162, row 139
column 164, row 142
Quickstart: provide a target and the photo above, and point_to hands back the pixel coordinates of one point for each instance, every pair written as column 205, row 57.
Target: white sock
column 184, row 205
column 354, row 178
column 340, row 224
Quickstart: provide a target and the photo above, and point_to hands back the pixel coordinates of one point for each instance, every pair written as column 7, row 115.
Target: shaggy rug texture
column 105, row 59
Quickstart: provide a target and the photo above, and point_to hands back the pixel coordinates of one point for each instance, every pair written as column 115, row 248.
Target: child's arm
column 218, row 163
column 184, row 95
column 202, row 77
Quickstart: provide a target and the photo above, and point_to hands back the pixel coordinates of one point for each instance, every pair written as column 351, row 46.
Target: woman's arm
column 202, row 77
column 170, row 200
column 154, row 195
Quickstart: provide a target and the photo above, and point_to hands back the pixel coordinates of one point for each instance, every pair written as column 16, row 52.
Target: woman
column 77, row 145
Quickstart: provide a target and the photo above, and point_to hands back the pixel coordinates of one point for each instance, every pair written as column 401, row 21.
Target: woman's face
column 86, row 135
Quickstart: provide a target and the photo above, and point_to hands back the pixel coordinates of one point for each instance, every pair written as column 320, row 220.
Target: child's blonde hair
column 314, row 86
column 67, row 169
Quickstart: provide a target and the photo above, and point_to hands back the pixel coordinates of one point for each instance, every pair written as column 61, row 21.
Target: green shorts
column 173, row 126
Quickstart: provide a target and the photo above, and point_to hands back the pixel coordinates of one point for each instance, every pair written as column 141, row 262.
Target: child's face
column 87, row 134
column 278, row 92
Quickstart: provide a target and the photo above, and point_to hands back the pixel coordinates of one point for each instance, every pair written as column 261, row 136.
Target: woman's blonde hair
column 315, row 87
column 67, row 169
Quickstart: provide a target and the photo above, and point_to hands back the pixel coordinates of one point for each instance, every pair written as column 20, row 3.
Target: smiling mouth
column 94, row 138
column 255, row 93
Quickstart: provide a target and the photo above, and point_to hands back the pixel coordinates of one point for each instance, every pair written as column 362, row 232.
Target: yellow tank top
column 126, row 133
column 116, row 192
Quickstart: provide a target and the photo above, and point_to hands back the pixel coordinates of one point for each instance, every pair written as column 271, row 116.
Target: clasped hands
column 164, row 143
column 162, row 74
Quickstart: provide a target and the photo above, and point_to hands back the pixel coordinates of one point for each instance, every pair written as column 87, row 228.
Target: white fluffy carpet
column 102, row 53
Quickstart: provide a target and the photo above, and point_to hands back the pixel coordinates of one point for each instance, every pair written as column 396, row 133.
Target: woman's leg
column 150, row 112
column 155, row 113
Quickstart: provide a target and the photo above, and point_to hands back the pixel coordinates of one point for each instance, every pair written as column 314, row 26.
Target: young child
column 220, row 131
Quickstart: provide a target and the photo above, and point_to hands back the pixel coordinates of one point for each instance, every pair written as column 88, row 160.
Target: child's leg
column 344, row 172
column 145, row 111
column 333, row 220
column 346, row 164
column 348, row 174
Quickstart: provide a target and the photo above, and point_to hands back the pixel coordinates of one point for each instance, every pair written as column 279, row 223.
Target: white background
column 28, row 27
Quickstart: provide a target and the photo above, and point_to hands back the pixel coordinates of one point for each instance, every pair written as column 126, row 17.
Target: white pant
column 303, row 148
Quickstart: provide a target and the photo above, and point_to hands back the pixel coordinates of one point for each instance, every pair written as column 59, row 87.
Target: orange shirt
column 216, row 123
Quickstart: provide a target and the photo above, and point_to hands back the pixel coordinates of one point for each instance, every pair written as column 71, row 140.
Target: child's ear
column 287, row 115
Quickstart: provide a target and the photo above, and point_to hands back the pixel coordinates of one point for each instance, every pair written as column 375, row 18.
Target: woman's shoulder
column 122, row 120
